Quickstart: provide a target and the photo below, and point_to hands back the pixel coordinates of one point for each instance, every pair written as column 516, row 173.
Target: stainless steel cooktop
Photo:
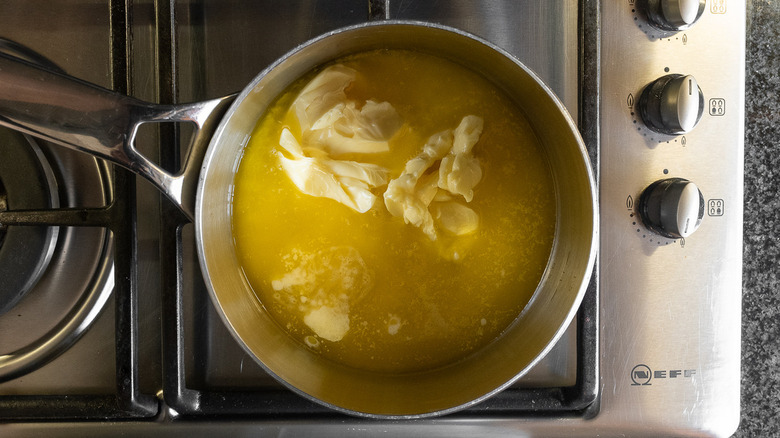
column 655, row 349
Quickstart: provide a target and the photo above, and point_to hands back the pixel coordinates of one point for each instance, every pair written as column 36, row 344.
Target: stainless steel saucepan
column 82, row 116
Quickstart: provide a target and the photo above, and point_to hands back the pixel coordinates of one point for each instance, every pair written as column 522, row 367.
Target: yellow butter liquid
column 426, row 303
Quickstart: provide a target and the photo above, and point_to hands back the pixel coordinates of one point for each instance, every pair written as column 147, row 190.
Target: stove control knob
column 672, row 104
column 672, row 207
column 674, row 15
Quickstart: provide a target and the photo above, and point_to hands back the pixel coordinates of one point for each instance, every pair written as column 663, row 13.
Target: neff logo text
column 641, row 374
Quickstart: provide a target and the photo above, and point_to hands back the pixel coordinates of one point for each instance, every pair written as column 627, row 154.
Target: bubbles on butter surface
column 394, row 324
column 312, row 341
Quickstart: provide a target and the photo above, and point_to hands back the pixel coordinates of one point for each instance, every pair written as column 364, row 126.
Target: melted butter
column 410, row 303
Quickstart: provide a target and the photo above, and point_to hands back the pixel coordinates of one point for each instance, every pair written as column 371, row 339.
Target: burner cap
column 26, row 183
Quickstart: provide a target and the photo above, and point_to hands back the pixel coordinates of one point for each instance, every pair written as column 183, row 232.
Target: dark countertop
column 761, row 285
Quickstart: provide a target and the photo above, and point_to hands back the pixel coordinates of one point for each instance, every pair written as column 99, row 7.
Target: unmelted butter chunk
column 321, row 286
column 345, row 129
column 331, row 126
column 455, row 218
column 329, row 323
column 426, row 196
column 459, row 171
column 411, row 193
column 348, row 182
column 324, row 92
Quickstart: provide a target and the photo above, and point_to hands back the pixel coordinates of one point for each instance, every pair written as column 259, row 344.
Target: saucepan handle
column 83, row 116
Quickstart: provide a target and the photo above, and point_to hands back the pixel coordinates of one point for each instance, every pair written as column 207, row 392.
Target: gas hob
column 655, row 347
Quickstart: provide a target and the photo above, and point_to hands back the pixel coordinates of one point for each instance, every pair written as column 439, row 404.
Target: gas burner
column 36, row 260
column 38, row 257
column 26, row 183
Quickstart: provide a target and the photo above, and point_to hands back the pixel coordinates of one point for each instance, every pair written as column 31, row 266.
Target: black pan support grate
column 191, row 399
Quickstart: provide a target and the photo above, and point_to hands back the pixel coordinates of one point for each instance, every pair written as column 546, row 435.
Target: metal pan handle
column 85, row 117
